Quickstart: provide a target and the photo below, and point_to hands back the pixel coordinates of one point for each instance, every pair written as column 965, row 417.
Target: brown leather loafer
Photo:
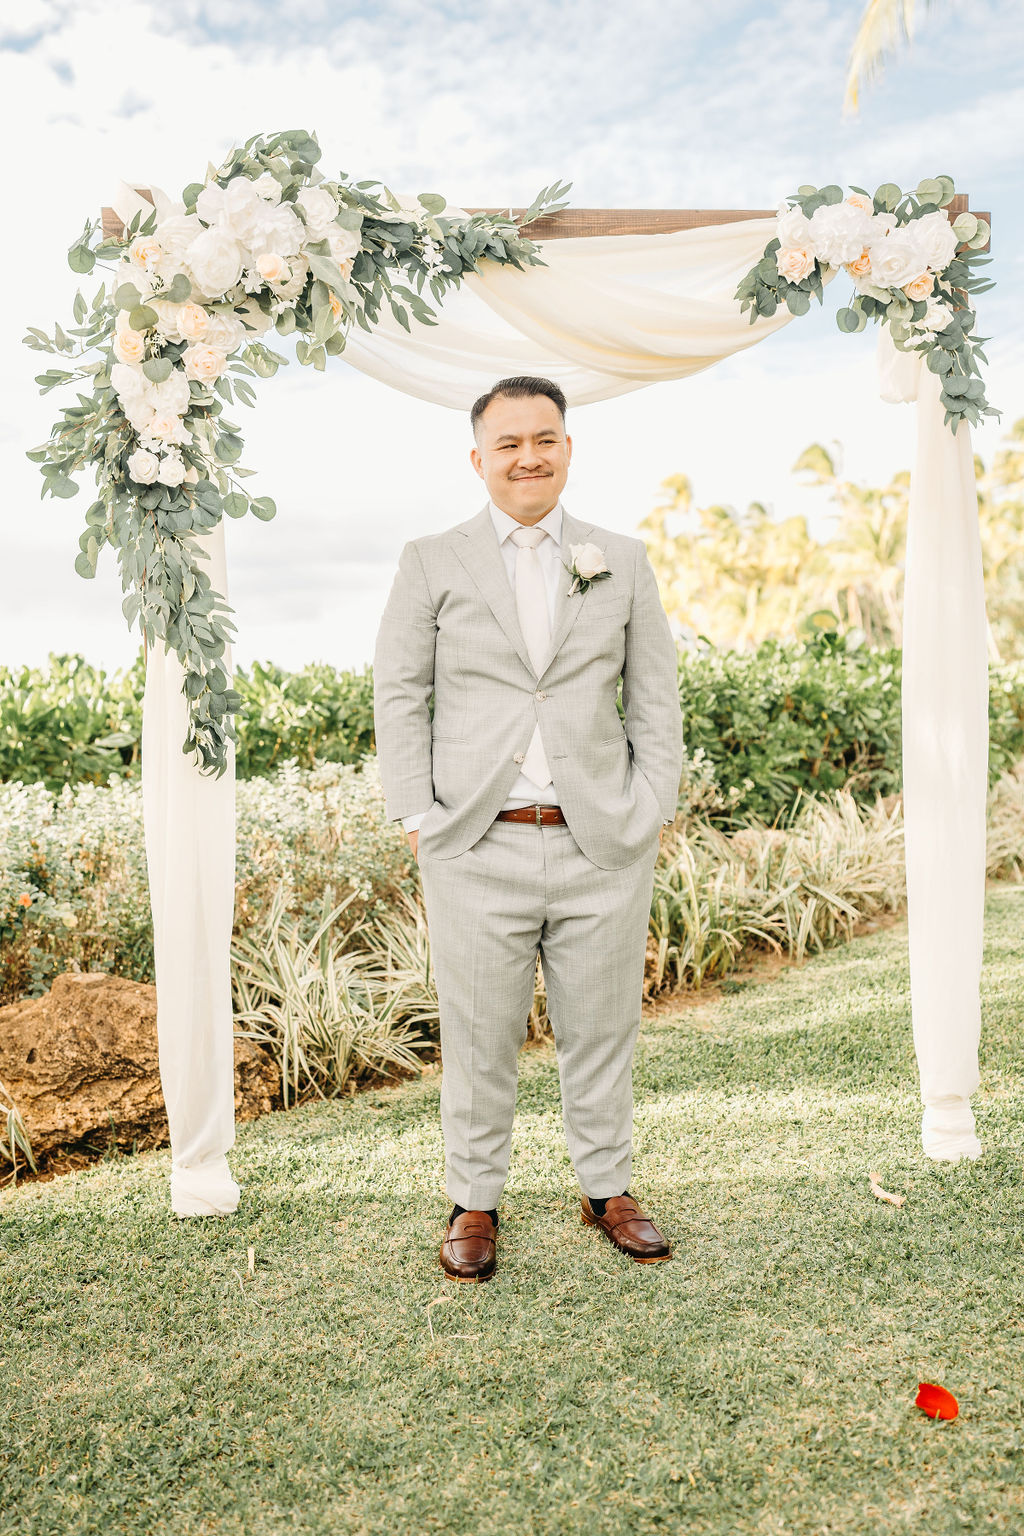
column 625, row 1224
column 469, row 1250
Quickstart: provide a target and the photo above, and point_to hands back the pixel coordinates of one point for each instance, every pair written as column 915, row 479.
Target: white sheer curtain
column 603, row 317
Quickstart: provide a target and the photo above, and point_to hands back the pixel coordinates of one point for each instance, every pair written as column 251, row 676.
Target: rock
column 81, row 1063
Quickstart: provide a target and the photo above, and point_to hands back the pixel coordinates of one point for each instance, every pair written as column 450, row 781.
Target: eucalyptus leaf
column 235, row 504
column 228, row 448
column 264, row 507
column 142, row 317
column 158, row 369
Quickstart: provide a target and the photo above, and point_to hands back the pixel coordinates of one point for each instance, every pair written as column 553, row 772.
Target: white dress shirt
column 549, row 551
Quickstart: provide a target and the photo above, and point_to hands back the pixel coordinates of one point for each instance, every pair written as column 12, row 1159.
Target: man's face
column 522, row 455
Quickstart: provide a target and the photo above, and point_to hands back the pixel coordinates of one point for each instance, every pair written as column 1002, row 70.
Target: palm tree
column 884, row 27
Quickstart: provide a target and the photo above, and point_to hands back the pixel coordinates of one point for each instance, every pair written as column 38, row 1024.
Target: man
column 535, row 818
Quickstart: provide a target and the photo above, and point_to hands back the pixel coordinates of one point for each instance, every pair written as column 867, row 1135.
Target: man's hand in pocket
column 414, row 838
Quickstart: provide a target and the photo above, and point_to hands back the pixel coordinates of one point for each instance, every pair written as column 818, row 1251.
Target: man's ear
column 476, row 461
column 568, row 448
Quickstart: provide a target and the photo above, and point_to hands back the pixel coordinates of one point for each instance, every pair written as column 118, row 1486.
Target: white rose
column 935, row 318
column 129, row 346
column 175, row 234
column 225, row 332
column 896, row 260
column 344, row 243
column 318, row 207
column 273, row 268
column 141, row 280
column 145, row 251
column 128, row 382
column 588, row 559
column 278, row 230
column 139, row 414
column 166, row 427
column 839, row 232
column 215, row 261
column 167, row 318
column 936, row 239
column 204, row 363
column 268, row 187
column 192, row 322
column 795, row 263
column 171, row 471
column 794, row 228
column 297, row 282
column 143, row 466
column 172, row 394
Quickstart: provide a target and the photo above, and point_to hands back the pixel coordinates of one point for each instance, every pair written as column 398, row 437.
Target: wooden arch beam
column 582, row 223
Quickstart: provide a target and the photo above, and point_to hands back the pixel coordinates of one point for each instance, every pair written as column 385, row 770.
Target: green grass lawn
column 763, row 1381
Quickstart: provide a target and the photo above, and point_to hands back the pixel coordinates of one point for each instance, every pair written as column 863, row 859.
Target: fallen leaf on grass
column 883, row 1194
column 935, row 1401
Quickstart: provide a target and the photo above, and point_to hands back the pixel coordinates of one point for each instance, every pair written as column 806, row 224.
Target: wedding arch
column 603, row 301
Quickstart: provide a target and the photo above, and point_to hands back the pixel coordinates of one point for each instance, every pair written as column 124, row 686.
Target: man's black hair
column 522, row 388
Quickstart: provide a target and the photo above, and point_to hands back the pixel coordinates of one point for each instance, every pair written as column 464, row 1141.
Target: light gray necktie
column 535, row 623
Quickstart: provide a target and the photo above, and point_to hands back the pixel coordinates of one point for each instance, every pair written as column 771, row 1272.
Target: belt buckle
column 539, row 822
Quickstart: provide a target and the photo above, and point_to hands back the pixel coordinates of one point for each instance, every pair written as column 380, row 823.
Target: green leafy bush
column 793, row 719
column 763, row 728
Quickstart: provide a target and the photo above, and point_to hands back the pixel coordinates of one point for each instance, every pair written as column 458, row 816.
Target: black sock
column 597, row 1206
column 459, row 1210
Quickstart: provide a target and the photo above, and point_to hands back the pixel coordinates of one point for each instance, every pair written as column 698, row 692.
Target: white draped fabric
column 605, row 316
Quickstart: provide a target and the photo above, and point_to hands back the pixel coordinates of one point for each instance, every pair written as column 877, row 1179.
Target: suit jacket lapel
column 478, row 550
column 567, row 608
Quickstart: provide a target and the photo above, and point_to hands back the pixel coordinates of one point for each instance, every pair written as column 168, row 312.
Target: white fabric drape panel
column 189, row 823
column 945, row 756
column 603, row 317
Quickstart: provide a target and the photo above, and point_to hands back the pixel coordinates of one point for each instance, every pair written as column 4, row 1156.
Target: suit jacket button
column 520, row 757
column 540, row 694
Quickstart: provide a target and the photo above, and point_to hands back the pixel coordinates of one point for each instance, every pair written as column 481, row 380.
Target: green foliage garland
column 913, row 270
column 174, row 338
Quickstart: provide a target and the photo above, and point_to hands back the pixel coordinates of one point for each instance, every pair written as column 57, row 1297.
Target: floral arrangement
column 587, row 567
column 174, row 337
column 912, row 268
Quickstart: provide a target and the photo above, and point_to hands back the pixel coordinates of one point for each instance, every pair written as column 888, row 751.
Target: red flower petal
column 935, row 1401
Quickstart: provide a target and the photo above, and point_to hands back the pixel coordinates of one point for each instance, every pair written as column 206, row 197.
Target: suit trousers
column 518, row 890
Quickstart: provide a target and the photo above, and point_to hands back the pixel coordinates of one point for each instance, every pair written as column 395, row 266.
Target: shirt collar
column 504, row 525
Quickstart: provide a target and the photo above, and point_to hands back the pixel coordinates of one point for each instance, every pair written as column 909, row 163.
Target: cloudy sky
column 691, row 105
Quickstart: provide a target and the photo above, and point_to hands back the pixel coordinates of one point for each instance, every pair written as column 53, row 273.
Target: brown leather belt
column 535, row 815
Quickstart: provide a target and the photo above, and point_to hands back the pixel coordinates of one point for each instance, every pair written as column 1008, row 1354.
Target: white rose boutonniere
column 587, row 566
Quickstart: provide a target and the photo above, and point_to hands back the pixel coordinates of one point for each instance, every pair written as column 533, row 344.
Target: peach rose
column 204, row 363
column 862, row 266
column 192, row 321
column 858, row 200
column 272, row 267
column 921, row 287
column 337, row 309
column 145, row 252
column 795, row 263
column 129, row 346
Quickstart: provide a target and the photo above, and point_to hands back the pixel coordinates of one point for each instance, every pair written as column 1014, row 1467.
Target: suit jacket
column 450, row 628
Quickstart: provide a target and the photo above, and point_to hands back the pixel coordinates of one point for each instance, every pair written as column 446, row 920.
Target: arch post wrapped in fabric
column 606, row 315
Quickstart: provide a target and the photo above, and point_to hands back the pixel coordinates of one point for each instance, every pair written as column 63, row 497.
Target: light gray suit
column 496, row 892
